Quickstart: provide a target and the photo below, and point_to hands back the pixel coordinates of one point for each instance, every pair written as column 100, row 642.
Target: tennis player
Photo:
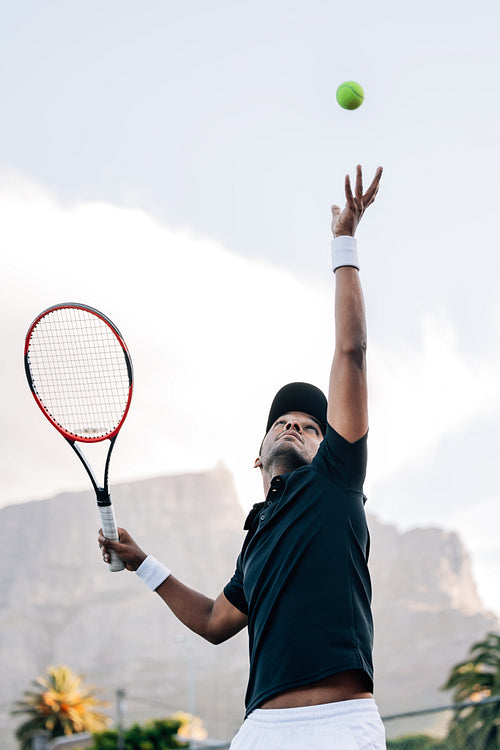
column 301, row 584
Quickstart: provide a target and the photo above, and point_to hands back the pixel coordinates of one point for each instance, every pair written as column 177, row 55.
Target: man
column 301, row 584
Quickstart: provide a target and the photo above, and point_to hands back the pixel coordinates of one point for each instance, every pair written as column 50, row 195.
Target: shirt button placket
column 275, row 492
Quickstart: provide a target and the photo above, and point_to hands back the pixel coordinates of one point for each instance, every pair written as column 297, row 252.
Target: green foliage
column 476, row 678
column 60, row 703
column 154, row 735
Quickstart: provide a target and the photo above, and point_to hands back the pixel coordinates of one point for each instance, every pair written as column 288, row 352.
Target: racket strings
column 79, row 372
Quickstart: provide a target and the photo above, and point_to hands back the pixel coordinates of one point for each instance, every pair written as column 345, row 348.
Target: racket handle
column 110, row 531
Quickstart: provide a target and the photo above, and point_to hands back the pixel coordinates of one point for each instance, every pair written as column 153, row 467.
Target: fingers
column 346, row 221
column 105, row 554
column 348, row 193
column 335, row 216
column 126, row 549
column 358, row 190
column 372, row 191
column 359, row 185
column 361, row 201
column 105, row 545
column 105, row 542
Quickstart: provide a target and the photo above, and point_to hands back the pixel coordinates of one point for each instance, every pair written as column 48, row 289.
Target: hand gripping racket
column 80, row 374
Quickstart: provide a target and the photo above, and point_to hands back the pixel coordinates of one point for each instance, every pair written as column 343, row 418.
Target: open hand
column 344, row 223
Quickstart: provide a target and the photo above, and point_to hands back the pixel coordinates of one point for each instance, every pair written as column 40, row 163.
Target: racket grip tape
column 110, row 531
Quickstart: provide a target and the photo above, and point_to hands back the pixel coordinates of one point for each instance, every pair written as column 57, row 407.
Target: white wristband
column 344, row 252
column 152, row 572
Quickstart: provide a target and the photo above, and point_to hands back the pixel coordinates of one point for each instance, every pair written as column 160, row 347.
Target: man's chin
column 291, row 454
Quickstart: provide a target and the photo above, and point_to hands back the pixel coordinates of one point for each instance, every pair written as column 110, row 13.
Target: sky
column 173, row 165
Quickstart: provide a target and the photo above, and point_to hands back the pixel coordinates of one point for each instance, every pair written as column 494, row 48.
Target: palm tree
column 61, row 704
column 474, row 680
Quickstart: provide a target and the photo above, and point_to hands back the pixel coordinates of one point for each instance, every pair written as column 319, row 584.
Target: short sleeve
column 343, row 462
column 233, row 591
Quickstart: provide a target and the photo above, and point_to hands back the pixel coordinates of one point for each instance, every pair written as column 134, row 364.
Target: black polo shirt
column 302, row 575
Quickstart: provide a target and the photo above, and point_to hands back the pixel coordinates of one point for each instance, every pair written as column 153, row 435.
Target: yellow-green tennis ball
column 350, row 95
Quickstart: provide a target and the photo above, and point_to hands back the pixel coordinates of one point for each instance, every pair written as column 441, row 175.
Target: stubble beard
column 287, row 456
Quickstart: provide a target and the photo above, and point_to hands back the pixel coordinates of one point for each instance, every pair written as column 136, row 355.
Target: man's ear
column 258, row 463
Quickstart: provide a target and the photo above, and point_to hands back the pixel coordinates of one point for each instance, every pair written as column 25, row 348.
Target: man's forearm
column 190, row 607
column 350, row 318
column 348, row 395
column 216, row 620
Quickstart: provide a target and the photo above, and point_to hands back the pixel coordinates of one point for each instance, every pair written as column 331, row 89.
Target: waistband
column 337, row 710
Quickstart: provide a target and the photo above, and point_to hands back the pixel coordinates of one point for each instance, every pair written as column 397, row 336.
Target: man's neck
column 276, row 469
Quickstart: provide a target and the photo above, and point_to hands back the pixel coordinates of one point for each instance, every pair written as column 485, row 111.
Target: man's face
column 295, row 436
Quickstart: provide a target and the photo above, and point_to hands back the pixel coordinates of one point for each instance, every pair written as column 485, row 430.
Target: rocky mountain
column 59, row 604
column 427, row 614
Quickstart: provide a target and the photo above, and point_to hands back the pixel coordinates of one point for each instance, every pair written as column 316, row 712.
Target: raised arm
column 216, row 620
column 347, row 399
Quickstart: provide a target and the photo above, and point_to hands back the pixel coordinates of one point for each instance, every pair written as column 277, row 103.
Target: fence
column 473, row 725
column 41, row 741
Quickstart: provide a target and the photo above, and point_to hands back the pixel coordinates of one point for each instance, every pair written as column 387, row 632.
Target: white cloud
column 212, row 336
column 421, row 391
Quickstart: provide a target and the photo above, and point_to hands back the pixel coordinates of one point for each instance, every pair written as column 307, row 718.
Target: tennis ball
column 350, row 95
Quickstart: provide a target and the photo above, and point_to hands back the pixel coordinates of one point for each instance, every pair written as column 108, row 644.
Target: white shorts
column 346, row 725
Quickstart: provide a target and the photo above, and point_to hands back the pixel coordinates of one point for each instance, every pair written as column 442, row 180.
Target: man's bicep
column 225, row 620
column 344, row 463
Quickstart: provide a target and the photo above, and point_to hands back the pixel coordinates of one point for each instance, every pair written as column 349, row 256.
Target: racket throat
column 102, row 494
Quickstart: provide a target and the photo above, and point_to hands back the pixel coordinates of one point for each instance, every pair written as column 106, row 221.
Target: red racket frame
column 69, row 435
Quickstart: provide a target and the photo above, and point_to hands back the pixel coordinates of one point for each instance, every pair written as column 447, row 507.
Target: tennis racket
column 80, row 374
